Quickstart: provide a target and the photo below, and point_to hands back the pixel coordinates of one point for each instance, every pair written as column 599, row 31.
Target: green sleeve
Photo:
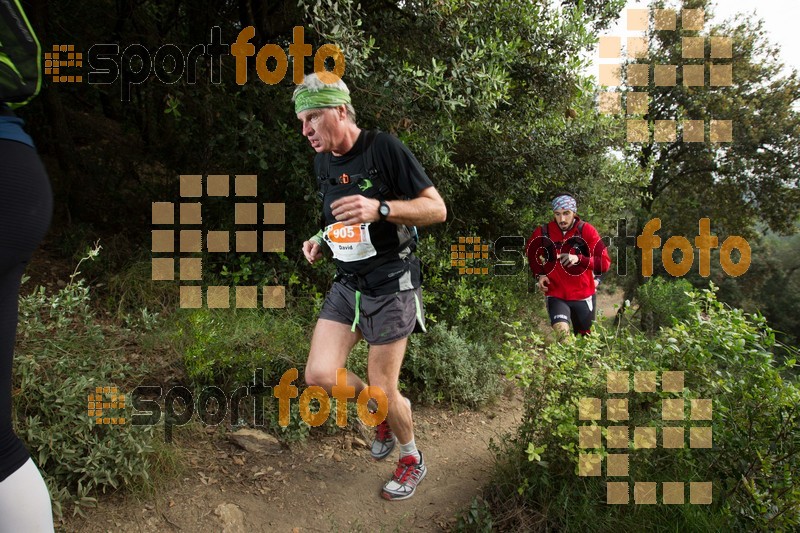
column 317, row 238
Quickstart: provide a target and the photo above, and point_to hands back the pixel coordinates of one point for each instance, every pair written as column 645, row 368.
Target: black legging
column 26, row 207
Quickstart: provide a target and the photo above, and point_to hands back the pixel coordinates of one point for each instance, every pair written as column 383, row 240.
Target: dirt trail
column 329, row 484
column 606, row 302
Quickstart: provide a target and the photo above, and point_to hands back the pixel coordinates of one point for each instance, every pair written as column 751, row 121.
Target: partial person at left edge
column 26, row 207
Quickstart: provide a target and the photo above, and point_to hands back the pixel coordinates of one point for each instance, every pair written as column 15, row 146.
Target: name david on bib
column 349, row 243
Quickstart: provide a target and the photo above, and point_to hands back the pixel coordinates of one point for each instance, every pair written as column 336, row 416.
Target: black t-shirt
column 359, row 246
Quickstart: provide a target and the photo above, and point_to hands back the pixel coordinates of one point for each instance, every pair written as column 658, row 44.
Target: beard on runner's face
column 564, row 218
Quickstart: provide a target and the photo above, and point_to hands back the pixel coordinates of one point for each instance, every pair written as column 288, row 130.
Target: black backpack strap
column 323, row 179
column 596, row 274
column 366, row 153
column 579, row 233
column 581, row 244
column 549, row 250
column 386, row 192
column 323, row 183
column 381, row 181
column 373, row 172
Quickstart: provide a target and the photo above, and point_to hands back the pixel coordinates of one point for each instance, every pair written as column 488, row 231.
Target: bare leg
column 562, row 332
column 330, row 346
column 384, row 372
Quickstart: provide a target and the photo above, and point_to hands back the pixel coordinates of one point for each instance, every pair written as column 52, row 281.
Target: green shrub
column 477, row 518
column 225, row 346
column 298, row 430
column 132, row 289
column 473, row 303
column 726, row 357
column 443, row 366
column 359, row 356
column 662, row 301
column 62, row 355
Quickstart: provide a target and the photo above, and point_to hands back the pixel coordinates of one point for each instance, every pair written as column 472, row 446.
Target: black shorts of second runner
column 381, row 319
column 580, row 312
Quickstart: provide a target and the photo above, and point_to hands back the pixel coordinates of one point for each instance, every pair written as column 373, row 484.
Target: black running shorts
column 580, row 312
column 381, row 319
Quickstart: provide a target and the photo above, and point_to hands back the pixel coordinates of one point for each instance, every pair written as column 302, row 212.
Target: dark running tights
column 26, row 205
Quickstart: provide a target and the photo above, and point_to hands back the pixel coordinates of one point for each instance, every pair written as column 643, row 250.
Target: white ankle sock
column 409, row 448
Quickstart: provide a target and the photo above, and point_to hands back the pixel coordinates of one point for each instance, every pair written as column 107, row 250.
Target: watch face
column 384, row 210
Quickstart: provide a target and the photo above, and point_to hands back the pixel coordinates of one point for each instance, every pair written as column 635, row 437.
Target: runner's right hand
column 544, row 281
column 312, row 251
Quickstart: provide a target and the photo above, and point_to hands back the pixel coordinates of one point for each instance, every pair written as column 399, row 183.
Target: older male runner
column 374, row 192
column 565, row 255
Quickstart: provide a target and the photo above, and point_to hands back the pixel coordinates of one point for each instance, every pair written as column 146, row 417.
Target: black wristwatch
column 383, row 210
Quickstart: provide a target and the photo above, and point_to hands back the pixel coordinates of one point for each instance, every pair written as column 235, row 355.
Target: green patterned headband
column 325, row 97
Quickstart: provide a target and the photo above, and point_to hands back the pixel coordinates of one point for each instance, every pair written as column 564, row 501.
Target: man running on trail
column 374, row 192
column 565, row 255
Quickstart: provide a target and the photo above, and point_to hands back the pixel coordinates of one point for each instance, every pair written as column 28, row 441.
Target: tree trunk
column 635, row 279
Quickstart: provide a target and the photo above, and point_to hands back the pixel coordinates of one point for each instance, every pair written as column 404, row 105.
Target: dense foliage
column 726, row 356
column 64, row 353
column 738, row 184
column 661, row 302
column 772, row 285
column 492, row 98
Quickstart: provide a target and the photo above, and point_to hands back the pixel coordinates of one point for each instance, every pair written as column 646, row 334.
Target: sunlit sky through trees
column 780, row 22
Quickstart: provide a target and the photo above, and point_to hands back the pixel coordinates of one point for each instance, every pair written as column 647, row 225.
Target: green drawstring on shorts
column 358, row 312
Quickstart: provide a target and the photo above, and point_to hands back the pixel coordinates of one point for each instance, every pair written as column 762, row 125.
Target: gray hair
column 314, row 84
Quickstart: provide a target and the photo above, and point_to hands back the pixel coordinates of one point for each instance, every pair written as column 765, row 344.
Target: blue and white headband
column 565, row 202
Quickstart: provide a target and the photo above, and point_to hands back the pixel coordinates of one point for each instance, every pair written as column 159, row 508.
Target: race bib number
column 349, row 243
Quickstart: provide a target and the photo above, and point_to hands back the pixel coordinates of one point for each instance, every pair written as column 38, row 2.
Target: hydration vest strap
column 550, row 250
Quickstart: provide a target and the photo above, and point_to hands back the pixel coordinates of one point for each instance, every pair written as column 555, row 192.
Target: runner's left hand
column 356, row 209
column 568, row 259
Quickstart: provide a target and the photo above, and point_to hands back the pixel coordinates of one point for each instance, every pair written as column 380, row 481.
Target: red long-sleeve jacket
column 574, row 282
